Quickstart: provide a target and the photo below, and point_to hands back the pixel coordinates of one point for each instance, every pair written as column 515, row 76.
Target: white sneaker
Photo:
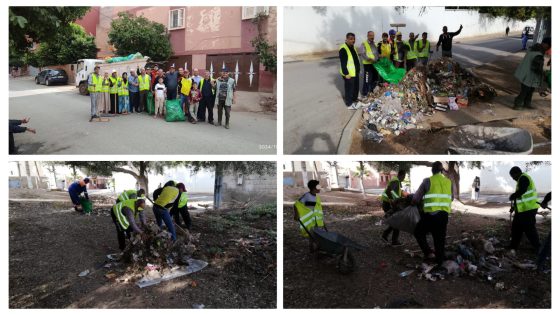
column 352, row 107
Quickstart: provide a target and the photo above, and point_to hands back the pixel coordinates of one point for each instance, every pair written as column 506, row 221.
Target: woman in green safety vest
column 391, row 193
column 526, row 206
column 124, row 215
column 308, row 210
column 181, row 208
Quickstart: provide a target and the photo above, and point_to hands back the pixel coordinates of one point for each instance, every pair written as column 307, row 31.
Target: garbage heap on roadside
column 474, row 256
column 442, row 85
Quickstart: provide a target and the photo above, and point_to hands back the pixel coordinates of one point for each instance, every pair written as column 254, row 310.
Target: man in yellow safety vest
column 114, row 92
column 124, row 215
column 398, row 51
column 350, row 71
column 423, row 49
column 369, row 55
column 94, row 85
column 144, row 86
column 308, row 211
column 525, row 207
column 410, row 48
column 435, row 196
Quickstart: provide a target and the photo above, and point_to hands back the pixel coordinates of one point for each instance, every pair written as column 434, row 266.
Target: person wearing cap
column 94, row 88
column 446, row 41
column 410, row 51
column 144, row 81
column 114, row 92
column 392, row 35
column 124, row 215
column 76, row 189
column 434, row 197
column 530, row 73
column 423, row 49
column 398, row 51
column 181, row 208
column 369, row 55
column 350, row 71
column 171, row 82
column 103, row 99
column 133, row 89
column 225, row 89
column 308, row 211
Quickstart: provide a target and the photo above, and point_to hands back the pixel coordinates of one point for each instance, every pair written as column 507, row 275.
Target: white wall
column 494, row 177
column 317, row 29
column 201, row 182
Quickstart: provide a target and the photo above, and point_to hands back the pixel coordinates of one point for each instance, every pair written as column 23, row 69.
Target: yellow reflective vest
column 168, row 195
column 350, row 63
column 385, row 50
column 438, row 198
column 309, row 218
column 121, row 218
column 369, row 54
column 114, row 81
column 96, row 86
column 186, row 85
column 529, row 199
column 422, row 52
column 394, row 194
column 144, row 82
column 411, row 52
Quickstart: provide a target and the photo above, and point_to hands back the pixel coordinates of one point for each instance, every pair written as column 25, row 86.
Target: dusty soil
column 50, row 244
column 312, row 282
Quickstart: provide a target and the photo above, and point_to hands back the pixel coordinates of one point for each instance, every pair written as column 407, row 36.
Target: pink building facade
column 202, row 37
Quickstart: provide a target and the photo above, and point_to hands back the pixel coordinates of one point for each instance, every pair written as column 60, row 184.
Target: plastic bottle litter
column 405, row 274
column 84, row 273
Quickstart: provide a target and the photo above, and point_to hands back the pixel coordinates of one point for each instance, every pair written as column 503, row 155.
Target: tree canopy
column 130, row 34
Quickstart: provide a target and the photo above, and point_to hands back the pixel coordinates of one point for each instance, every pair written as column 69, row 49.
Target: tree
column 67, row 46
column 335, row 165
column 39, row 24
column 130, row 34
column 222, row 168
column 362, row 171
column 266, row 51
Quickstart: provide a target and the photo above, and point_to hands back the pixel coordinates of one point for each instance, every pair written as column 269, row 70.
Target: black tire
column 36, row 80
column 47, row 82
column 346, row 266
column 83, row 89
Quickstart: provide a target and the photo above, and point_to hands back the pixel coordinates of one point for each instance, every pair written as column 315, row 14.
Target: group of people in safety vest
column 433, row 199
column 170, row 201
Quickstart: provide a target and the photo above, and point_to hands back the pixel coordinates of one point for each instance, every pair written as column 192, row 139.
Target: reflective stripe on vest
column 309, row 218
column 425, row 52
column 168, row 195
column 369, row 54
column 144, row 82
column 113, row 89
column 350, row 63
column 95, row 81
column 98, row 83
column 127, row 194
column 529, row 199
column 183, row 199
column 117, row 210
column 394, row 194
column 411, row 53
column 385, row 50
column 438, row 198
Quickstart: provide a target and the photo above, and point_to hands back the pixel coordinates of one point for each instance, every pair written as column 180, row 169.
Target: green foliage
column 516, row 13
column 66, row 47
column 130, row 34
column 41, row 24
column 243, row 167
column 267, row 209
column 266, row 51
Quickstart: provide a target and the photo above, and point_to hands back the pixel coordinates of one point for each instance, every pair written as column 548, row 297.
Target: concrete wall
column 29, row 182
column 326, row 27
column 254, row 187
column 494, row 177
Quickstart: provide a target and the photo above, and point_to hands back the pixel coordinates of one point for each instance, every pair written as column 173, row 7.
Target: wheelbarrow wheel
column 346, row 263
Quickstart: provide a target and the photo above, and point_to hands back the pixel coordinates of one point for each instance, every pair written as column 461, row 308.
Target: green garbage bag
column 388, row 71
column 173, row 111
column 87, row 205
column 150, row 107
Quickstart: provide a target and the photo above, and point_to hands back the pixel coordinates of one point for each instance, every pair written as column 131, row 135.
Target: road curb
column 345, row 141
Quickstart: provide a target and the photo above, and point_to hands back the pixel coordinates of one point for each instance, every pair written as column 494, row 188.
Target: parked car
column 529, row 30
column 51, row 76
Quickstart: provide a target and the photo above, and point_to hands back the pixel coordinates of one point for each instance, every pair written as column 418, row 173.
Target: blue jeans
column 123, row 103
column 162, row 214
column 185, row 101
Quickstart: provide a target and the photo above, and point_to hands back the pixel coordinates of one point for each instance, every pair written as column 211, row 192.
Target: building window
column 252, row 12
column 176, row 19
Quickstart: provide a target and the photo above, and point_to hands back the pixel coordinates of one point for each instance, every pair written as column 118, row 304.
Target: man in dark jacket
column 15, row 127
column 446, row 41
column 350, row 71
column 206, row 87
column 171, row 82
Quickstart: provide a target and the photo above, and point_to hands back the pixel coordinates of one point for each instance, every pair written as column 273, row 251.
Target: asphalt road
column 61, row 117
column 314, row 111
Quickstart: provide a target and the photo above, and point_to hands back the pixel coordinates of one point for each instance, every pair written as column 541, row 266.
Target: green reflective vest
column 350, row 63
column 183, row 199
column 422, row 52
column 438, row 198
column 96, row 83
column 127, row 194
column 144, row 82
column 121, row 218
column 114, row 81
column 310, row 218
column 394, row 194
column 529, row 199
column 168, row 195
column 369, row 54
column 396, row 51
column 123, row 87
column 104, row 85
column 411, row 53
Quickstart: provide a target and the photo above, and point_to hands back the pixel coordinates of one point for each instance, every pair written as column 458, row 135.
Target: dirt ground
column 50, row 244
column 313, row 282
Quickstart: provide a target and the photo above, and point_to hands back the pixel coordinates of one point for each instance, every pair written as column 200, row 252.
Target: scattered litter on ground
column 84, row 273
column 198, row 306
column 405, row 274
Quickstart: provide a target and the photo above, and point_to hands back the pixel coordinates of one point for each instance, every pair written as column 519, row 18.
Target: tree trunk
column 454, row 176
column 294, row 184
column 218, row 182
column 336, row 174
column 315, row 172
column 362, row 171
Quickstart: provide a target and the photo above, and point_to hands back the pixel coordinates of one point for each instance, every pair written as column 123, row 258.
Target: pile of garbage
column 474, row 256
column 441, row 85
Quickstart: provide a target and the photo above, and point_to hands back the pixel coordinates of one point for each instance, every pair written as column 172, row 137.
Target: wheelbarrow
column 482, row 140
column 335, row 245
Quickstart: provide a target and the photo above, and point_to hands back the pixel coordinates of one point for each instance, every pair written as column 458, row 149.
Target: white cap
column 114, row 70
column 132, row 70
